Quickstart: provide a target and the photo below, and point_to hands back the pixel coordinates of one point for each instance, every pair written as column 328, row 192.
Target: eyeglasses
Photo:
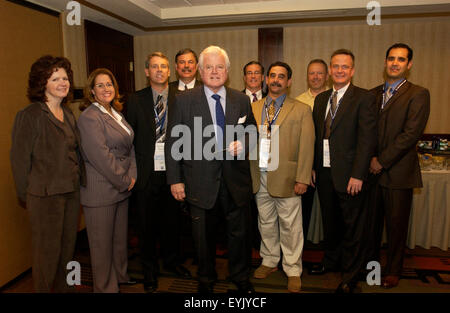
column 217, row 68
column 336, row 67
column 253, row 73
column 104, row 86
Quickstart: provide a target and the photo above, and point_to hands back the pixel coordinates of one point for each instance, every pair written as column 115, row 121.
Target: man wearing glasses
column 253, row 79
column 345, row 125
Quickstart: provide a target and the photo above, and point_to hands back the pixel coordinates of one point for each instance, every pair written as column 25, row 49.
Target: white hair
column 214, row 50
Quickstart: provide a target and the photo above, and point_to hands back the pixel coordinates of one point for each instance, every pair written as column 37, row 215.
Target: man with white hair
column 218, row 189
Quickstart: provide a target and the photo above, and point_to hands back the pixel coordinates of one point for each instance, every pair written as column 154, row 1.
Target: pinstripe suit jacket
column 108, row 152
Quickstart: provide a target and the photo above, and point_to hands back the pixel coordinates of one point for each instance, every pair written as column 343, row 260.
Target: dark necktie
column 254, row 97
column 220, row 120
column 331, row 112
column 160, row 110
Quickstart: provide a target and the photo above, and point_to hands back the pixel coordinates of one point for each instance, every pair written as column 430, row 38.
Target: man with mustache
column 403, row 110
column 289, row 123
column 253, row 79
column 158, row 212
column 186, row 64
column 345, row 124
column 317, row 79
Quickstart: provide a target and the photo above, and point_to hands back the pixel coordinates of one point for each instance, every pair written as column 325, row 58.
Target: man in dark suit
column 345, row 125
column 158, row 211
column 186, row 65
column 253, row 79
column 214, row 176
column 403, row 114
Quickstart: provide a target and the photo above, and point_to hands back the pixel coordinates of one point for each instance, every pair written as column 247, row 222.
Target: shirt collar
column 115, row 115
column 222, row 92
column 164, row 94
column 342, row 90
column 190, row 85
column 278, row 101
column 395, row 84
column 250, row 94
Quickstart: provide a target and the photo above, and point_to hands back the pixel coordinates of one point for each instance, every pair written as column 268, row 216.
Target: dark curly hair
column 89, row 97
column 41, row 71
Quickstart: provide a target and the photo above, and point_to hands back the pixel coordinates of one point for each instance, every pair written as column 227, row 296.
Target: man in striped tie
column 158, row 212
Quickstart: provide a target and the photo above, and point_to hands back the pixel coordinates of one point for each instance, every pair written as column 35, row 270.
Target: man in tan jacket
column 281, row 174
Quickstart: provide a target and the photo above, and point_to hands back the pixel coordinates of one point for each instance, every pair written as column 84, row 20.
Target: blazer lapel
column 202, row 108
column 257, row 108
column 322, row 109
column 231, row 109
column 147, row 106
column 397, row 95
column 346, row 101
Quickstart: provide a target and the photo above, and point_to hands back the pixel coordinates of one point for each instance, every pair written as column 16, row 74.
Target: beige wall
column 240, row 44
column 427, row 37
column 25, row 35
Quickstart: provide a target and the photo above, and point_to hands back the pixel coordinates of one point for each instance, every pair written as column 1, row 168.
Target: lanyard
column 394, row 91
column 276, row 113
column 333, row 115
column 160, row 121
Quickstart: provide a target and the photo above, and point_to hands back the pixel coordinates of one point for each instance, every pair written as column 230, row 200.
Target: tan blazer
column 296, row 148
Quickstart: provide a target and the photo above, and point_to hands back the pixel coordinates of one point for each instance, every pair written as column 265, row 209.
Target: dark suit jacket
column 38, row 146
column 109, row 156
column 352, row 137
column 175, row 83
column 141, row 116
column 400, row 125
column 202, row 177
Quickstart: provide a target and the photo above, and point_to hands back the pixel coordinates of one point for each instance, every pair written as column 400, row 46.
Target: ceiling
column 137, row 17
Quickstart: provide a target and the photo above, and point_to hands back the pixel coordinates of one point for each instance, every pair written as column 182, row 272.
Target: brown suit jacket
column 109, row 155
column 400, row 125
column 296, row 148
column 37, row 148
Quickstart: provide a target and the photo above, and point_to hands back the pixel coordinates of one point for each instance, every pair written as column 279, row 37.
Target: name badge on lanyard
column 160, row 161
column 264, row 153
column 326, row 153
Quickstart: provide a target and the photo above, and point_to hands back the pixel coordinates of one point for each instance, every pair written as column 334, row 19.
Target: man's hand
column 354, row 186
column 300, row 188
column 177, row 191
column 375, row 166
column 133, row 181
column 313, row 178
column 235, row 148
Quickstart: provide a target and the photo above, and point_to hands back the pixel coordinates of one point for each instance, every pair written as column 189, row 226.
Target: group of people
column 356, row 147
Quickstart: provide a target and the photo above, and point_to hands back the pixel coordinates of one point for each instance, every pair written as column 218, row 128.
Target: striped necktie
column 159, row 119
column 331, row 113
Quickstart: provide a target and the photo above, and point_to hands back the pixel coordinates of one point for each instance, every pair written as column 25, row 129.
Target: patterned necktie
column 159, row 119
column 271, row 113
column 220, row 120
column 331, row 112
column 254, row 97
column 387, row 95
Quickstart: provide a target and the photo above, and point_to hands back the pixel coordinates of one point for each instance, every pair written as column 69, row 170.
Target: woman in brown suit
column 108, row 151
column 47, row 166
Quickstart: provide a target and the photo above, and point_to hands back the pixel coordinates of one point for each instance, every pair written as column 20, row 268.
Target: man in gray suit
column 212, row 185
